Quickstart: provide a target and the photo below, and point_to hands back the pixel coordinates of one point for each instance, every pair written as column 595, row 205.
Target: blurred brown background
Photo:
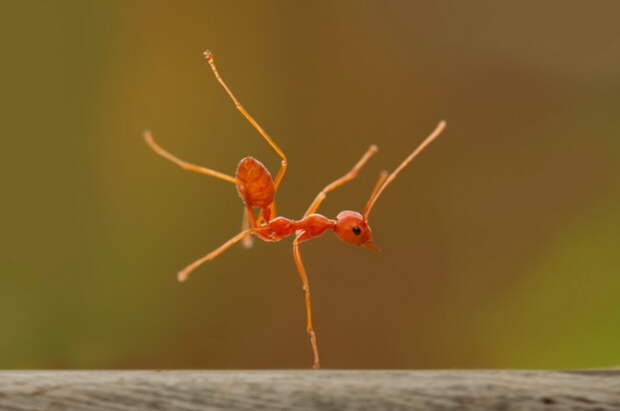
column 499, row 244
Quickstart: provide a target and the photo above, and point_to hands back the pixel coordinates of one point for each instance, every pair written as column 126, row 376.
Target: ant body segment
column 257, row 190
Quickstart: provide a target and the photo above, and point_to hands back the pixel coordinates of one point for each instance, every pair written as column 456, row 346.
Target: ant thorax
column 313, row 225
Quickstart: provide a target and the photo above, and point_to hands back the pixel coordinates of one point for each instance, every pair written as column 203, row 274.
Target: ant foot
column 182, row 276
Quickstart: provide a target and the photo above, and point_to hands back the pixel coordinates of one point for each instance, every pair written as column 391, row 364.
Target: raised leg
column 184, row 273
column 148, row 136
column 306, row 287
column 283, row 163
column 337, row 183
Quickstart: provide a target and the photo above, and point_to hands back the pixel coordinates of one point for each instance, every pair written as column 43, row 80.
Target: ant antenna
column 382, row 176
column 384, row 182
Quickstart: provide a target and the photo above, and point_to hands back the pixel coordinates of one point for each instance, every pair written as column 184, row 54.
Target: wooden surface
column 309, row 390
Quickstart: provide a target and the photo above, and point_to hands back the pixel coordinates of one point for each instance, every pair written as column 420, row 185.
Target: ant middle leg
column 248, row 215
column 340, row 181
column 305, row 285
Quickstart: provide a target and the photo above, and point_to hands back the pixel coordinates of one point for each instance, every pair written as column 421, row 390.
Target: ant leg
column 184, row 273
column 306, row 287
column 337, row 183
column 272, row 210
column 248, row 241
column 148, row 136
column 272, row 214
column 283, row 163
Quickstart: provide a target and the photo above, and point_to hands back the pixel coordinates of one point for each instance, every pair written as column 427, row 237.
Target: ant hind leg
column 283, row 161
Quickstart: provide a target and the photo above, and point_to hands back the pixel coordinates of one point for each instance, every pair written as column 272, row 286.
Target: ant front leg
column 306, row 287
column 184, row 273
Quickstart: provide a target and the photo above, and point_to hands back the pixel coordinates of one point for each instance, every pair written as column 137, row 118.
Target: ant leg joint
column 208, row 54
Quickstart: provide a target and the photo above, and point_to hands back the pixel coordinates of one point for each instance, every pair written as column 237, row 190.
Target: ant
column 257, row 190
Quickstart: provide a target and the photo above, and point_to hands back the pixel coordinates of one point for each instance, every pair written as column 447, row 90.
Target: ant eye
column 357, row 230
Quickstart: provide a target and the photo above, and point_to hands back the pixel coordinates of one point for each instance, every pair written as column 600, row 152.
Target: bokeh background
column 499, row 244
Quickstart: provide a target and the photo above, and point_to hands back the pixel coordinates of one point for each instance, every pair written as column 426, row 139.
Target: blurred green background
column 499, row 244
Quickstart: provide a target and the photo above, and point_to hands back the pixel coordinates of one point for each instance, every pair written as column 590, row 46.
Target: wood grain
column 309, row 390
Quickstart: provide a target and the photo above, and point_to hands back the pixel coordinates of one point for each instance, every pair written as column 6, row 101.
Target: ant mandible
column 257, row 189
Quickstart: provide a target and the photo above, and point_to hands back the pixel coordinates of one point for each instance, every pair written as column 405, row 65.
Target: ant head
column 351, row 227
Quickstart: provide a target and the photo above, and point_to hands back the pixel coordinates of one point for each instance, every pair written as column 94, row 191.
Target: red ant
column 257, row 189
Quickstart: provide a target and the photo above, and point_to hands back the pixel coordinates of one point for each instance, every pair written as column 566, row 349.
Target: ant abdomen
column 255, row 184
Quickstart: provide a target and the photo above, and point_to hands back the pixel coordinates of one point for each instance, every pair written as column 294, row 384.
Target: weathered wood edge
column 310, row 390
